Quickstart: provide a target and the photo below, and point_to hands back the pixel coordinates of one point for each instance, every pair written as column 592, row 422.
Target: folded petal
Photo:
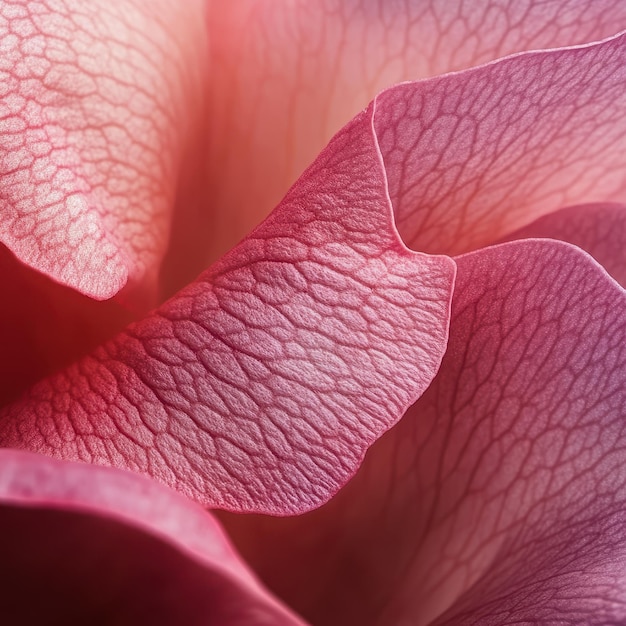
column 599, row 229
column 475, row 155
column 89, row 545
column 98, row 107
column 499, row 497
column 261, row 385
column 287, row 75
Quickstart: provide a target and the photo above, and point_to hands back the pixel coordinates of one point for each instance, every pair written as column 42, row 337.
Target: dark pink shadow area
column 85, row 545
column 45, row 326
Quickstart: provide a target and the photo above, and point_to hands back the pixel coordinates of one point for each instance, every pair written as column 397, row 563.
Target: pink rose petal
column 98, row 106
column 287, row 75
column 261, row 385
column 473, row 156
column 499, row 498
column 89, row 545
column 45, row 326
column 599, row 229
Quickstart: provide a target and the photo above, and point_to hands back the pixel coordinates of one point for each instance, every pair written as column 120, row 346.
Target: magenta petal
column 475, row 155
column 261, row 385
column 500, row 496
column 88, row 545
column 599, row 229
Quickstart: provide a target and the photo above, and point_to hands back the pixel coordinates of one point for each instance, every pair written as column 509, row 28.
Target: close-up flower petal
column 342, row 282
column 91, row 545
column 250, row 389
column 100, row 105
column 500, row 496
column 261, row 385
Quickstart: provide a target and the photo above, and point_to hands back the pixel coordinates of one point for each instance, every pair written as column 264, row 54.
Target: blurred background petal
column 287, row 75
column 88, row 545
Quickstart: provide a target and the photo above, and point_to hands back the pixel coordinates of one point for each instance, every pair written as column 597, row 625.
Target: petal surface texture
column 97, row 104
column 92, row 545
column 599, row 229
column 473, row 156
column 499, row 498
column 260, row 386
column 288, row 74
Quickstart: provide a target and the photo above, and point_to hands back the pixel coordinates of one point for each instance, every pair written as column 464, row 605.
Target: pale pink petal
column 99, row 104
column 261, row 385
column 287, row 75
column 599, row 229
column 499, row 498
column 88, row 545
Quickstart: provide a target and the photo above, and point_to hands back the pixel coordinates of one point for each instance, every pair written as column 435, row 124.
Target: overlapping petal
column 89, row 545
column 500, row 496
column 473, row 156
column 261, row 385
column 99, row 106
column 288, row 74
